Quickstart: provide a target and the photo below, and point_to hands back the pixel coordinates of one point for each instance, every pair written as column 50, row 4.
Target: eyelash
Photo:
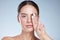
column 24, row 16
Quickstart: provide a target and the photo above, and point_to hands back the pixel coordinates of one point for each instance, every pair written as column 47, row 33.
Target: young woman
column 28, row 16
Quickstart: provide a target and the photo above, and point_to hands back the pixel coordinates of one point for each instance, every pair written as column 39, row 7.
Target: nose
column 29, row 19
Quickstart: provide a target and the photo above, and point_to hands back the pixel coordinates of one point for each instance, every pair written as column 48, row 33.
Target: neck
column 28, row 35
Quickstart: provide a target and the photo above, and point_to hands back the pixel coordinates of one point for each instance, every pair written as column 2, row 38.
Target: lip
column 29, row 26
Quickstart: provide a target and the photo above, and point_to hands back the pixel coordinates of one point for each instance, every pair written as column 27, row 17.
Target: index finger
column 35, row 21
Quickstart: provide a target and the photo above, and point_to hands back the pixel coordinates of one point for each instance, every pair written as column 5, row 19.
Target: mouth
column 29, row 26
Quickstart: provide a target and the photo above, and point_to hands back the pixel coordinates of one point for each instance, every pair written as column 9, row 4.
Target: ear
column 18, row 18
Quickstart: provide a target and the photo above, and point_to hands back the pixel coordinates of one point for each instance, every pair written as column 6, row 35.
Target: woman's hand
column 39, row 28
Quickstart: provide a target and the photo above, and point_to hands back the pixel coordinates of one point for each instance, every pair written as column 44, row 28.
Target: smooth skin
column 30, row 22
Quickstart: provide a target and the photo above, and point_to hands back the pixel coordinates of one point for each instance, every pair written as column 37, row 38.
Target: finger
column 35, row 21
column 40, row 27
column 38, row 30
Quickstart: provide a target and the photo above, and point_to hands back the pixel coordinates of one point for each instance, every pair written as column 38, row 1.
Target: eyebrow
column 23, row 14
column 26, row 14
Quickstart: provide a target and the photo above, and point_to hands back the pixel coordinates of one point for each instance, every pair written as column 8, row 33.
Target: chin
column 29, row 30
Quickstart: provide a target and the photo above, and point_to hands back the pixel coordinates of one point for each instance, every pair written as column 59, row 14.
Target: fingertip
column 33, row 15
column 41, row 24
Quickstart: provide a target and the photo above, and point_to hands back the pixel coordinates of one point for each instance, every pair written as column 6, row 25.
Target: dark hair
column 28, row 3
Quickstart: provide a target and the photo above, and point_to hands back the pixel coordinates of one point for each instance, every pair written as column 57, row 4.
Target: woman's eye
column 23, row 16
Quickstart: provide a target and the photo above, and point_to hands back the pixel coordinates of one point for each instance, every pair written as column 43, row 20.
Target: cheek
column 23, row 21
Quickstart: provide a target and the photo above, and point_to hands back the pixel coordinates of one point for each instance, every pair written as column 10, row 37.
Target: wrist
column 45, row 36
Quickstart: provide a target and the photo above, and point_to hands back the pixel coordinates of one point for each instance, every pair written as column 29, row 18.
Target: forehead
column 28, row 9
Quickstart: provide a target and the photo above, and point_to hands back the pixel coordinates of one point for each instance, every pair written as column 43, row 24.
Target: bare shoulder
column 11, row 38
column 7, row 38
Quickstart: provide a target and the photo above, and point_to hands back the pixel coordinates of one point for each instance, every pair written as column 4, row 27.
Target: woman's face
column 25, row 17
